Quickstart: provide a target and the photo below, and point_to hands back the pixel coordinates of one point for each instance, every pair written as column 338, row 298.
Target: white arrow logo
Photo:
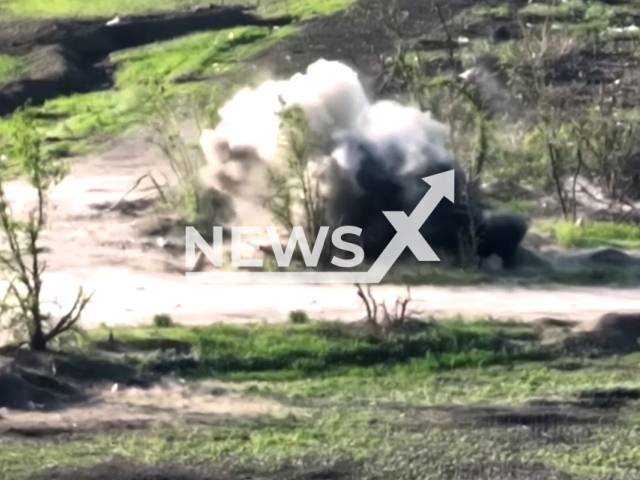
column 407, row 235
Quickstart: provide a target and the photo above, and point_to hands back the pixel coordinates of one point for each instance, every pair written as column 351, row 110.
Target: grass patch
column 387, row 411
column 268, row 439
column 571, row 10
column 302, row 9
column 495, row 384
column 297, row 351
column 200, row 54
column 384, row 440
column 96, row 8
column 99, row 115
column 10, row 68
column 593, row 235
column 499, row 12
column 428, row 453
column 91, row 117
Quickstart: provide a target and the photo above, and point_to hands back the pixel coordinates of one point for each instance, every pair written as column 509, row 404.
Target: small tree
column 294, row 187
column 21, row 259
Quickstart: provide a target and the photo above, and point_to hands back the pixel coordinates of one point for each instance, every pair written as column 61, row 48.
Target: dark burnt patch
column 541, row 416
column 610, row 398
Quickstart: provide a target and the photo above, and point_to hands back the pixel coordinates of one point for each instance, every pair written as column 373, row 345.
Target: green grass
column 376, row 410
column 499, row 12
column 378, row 437
column 297, row 351
column 452, row 361
column 200, row 54
column 87, row 118
column 10, row 68
column 571, row 10
column 592, row 235
column 497, row 384
column 100, row 115
column 95, row 8
column 302, row 9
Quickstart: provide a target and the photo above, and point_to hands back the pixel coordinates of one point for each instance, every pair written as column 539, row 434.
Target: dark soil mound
column 622, row 326
column 52, row 71
column 19, row 394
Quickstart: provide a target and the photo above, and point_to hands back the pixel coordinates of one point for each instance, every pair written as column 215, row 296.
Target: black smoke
column 382, row 183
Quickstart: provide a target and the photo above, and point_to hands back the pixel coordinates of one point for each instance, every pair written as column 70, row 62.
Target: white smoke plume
column 336, row 105
column 372, row 158
column 247, row 138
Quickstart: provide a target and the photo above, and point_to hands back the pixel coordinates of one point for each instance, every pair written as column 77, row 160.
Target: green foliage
column 163, row 320
column 73, row 8
column 594, row 234
column 298, row 317
column 198, row 55
column 10, row 68
column 196, row 203
column 571, row 10
column 25, row 151
column 295, row 197
column 300, row 350
column 303, row 9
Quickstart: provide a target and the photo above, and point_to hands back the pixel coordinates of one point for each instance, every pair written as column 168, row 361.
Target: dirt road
column 104, row 251
column 124, row 297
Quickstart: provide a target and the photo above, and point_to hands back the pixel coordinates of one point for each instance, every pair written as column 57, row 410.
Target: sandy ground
column 104, row 252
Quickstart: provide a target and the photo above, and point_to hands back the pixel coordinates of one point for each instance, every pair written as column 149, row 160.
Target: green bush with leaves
column 295, row 197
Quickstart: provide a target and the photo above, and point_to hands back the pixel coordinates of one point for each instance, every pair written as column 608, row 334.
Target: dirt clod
column 624, row 326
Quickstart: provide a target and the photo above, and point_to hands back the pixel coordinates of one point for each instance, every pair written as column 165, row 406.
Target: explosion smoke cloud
column 372, row 159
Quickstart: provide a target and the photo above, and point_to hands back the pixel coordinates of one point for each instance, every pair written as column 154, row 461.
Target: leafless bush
column 189, row 197
column 379, row 315
column 21, row 309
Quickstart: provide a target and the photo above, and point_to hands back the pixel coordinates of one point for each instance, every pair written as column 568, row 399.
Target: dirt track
column 105, row 252
column 133, row 279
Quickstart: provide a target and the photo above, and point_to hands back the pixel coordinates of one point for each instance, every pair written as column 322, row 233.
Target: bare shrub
column 379, row 315
column 592, row 149
column 21, row 309
column 196, row 203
